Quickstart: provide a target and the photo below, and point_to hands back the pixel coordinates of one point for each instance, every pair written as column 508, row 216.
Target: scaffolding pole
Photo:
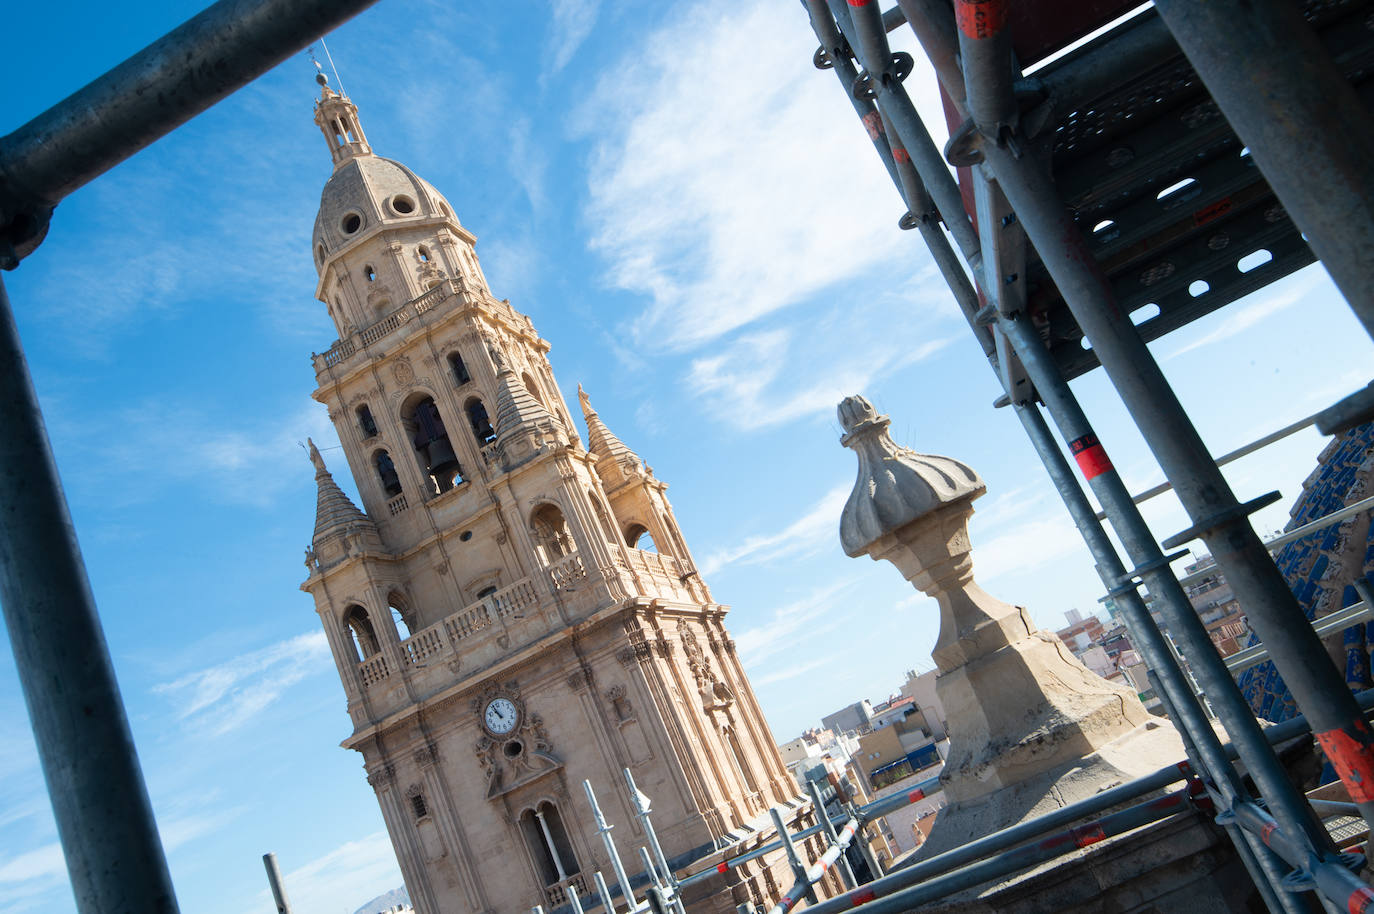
column 873, row 53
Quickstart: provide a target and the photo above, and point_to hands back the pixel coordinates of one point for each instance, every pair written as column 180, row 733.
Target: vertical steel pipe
column 1218, row 519
column 1307, row 130
column 604, row 829
column 274, row 880
column 830, row 833
column 104, row 819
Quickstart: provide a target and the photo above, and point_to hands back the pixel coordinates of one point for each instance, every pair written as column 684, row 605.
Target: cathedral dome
column 367, row 191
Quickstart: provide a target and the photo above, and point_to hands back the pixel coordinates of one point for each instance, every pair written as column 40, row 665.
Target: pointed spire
column 334, row 512
column 515, row 405
column 614, row 461
column 337, row 117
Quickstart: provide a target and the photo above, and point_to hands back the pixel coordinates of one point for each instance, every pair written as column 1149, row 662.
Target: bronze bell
column 443, row 463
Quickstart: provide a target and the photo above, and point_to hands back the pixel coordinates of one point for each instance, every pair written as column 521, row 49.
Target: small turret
column 340, row 527
column 338, row 119
column 616, row 464
column 524, row 427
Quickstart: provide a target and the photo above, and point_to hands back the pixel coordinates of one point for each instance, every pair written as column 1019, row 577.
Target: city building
column 511, row 613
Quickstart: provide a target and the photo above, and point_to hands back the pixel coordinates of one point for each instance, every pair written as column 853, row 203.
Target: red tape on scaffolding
column 1091, row 457
column 979, row 18
column 1351, row 752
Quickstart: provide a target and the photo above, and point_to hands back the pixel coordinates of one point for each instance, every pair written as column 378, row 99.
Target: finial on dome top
column 582, row 397
column 895, row 485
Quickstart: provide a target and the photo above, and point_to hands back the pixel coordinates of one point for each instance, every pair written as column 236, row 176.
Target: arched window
column 433, row 449
column 423, row 253
column 360, row 628
column 369, row 273
column 637, row 537
column 401, row 615
column 460, row 371
column 548, row 843
column 366, row 424
column 481, row 425
column 551, row 534
column 386, row 474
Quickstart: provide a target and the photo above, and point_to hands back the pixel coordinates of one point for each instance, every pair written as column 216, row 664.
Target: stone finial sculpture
column 1031, row 728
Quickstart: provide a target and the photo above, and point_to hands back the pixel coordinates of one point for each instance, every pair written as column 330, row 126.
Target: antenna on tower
column 329, row 57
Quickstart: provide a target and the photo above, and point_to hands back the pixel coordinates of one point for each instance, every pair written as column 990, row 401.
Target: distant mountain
column 385, row 902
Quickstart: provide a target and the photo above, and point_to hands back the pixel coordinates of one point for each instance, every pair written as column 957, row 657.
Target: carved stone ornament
column 714, row 693
column 381, row 777
column 413, row 791
column 517, row 757
column 402, row 371
column 426, row 755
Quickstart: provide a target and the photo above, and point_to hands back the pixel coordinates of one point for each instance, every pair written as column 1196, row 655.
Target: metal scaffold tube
column 104, row 819
column 1218, row 519
column 145, row 97
column 1307, row 129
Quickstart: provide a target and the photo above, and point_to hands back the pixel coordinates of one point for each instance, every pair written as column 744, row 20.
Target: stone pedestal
column 1031, row 728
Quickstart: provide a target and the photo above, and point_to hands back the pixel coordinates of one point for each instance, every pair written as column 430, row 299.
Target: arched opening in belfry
column 361, row 633
column 366, row 424
column 402, row 616
column 551, row 535
column 461, row 375
column 433, row 449
column 548, row 842
column 480, row 423
column 637, row 536
column 386, row 474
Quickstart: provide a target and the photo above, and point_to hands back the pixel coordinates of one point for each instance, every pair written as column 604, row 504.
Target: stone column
column 1031, row 728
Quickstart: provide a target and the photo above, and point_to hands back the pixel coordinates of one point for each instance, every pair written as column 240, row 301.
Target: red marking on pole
column 1212, row 211
column 1184, row 767
column 1267, row 831
column 900, row 155
column 1359, row 900
column 979, row 18
column 1351, row 751
column 1091, row 457
column 862, row 896
column 722, row 867
column 1088, row 834
column 859, row 2
column 917, row 794
column 873, row 123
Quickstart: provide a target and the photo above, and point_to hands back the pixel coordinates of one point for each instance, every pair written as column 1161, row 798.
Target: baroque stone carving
column 714, row 693
column 402, row 371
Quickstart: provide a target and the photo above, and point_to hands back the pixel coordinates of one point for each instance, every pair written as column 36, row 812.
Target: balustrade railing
column 397, row 504
column 443, row 636
column 558, row 892
column 567, row 571
column 374, row 669
column 514, row 599
column 422, row 644
column 491, row 453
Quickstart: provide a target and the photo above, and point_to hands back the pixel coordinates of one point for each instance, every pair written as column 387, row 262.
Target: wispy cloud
column 761, row 379
column 698, row 191
column 570, row 22
column 807, row 534
column 356, row 870
column 791, row 671
column 1033, row 544
column 41, row 865
column 226, row 696
column 158, row 444
column 1264, row 304
column 763, row 641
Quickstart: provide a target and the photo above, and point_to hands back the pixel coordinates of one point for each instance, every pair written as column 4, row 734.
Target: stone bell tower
column 510, row 612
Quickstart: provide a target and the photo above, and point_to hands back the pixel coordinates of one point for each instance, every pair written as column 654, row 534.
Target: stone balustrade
column 345, row 349
column 567, row 571
column 374, row 669
column 397, row 505
column 558, row 892
column 443, row 636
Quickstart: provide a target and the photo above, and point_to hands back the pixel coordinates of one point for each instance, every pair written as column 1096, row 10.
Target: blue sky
column 692, row 216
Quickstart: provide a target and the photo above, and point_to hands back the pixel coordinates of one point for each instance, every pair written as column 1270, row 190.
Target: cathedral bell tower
column 510, row 612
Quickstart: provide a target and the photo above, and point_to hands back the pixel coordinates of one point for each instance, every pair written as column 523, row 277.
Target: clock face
column 501, row 715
